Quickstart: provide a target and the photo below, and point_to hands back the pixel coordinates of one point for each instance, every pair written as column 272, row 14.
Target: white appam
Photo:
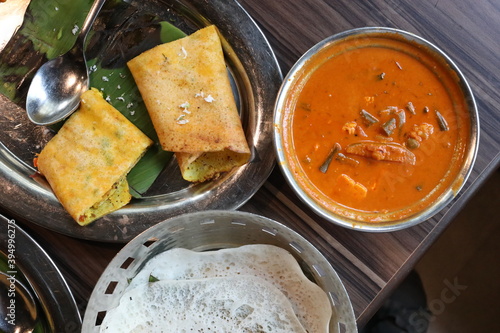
column 224, row 305
column 271, row 263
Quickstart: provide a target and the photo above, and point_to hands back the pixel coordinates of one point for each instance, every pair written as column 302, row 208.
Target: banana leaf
column 120, row 32
column 49, row 29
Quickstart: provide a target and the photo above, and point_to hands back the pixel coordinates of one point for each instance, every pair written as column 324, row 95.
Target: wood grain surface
column 370, row 264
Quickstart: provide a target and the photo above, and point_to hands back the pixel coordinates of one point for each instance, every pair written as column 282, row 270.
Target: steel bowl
column 299, row 74
column 212, row 230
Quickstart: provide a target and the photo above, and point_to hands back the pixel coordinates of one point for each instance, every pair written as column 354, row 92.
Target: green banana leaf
column 121, row 32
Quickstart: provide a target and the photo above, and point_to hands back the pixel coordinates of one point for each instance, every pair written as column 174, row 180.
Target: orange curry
column 379, row 128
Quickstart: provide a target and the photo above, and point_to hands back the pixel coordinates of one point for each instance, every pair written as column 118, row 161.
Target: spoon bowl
column 56, row 88
column 58, row 84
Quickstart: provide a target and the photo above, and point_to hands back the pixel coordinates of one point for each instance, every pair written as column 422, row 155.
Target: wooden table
column 370, row 265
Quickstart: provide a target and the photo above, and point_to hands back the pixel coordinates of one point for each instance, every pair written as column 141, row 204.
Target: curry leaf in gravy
column 368, row 118
column 389, row 126
column 360, row 131
column 324, row 167
column 443, row 124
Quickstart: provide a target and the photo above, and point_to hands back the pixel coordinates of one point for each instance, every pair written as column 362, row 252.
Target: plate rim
column 50, row 287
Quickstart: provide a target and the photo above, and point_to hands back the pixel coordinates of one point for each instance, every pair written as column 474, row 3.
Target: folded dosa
column 186, row 89
column 87, row 161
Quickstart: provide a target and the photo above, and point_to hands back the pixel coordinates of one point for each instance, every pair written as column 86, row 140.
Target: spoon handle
column 89, row 20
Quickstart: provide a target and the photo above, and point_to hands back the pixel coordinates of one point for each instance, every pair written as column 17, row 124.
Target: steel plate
column 56, row 301
column 213, row 230
column 256, row 76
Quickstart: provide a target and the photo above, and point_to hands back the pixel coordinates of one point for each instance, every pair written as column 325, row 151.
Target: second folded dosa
column 186, row 89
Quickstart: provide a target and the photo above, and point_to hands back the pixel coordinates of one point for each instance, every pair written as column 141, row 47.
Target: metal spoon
column 57, row 86
column 18, row 310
